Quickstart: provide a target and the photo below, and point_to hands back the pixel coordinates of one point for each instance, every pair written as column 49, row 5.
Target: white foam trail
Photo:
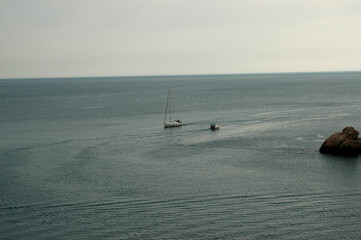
column 231, row 131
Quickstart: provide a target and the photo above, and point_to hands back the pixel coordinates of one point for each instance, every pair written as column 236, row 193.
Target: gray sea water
column 88, row 158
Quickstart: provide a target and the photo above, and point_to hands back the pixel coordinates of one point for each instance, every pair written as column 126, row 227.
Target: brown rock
column 344, row 143
column 350, row 132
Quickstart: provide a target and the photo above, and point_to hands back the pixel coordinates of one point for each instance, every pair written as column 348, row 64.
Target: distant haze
column 73, row 38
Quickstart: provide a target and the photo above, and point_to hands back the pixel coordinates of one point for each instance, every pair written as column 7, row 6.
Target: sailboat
column 170, row 123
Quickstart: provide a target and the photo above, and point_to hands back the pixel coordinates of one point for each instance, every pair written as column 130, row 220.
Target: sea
column 89, row 158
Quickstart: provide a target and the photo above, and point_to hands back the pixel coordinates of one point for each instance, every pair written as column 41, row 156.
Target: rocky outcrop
column 345, row 143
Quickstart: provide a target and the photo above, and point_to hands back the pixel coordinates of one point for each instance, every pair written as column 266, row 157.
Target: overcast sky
column 64, row 38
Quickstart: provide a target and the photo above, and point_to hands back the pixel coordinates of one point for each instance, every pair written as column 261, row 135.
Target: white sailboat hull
column 176, row 123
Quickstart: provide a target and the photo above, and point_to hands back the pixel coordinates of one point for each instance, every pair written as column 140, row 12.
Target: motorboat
column 214, row 126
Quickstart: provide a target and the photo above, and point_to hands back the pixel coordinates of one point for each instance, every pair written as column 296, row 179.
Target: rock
column 345, row 143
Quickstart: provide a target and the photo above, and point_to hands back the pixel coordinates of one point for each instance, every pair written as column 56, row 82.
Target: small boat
column 170, row 122
column 174, row 123
column 214, row 126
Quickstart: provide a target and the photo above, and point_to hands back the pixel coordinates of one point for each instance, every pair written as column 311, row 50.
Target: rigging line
column 166, row 106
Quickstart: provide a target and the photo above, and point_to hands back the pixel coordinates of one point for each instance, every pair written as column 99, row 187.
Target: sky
column 76, row 38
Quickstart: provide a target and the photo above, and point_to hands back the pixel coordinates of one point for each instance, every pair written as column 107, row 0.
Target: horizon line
column 180, row 75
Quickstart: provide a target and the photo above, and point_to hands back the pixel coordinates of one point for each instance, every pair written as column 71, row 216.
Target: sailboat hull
column 176, row 123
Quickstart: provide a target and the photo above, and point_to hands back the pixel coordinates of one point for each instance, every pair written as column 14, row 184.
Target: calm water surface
column 88, row 158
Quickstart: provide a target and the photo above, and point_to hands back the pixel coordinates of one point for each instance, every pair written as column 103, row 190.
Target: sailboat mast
column 170, row 106
column 166, row 106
